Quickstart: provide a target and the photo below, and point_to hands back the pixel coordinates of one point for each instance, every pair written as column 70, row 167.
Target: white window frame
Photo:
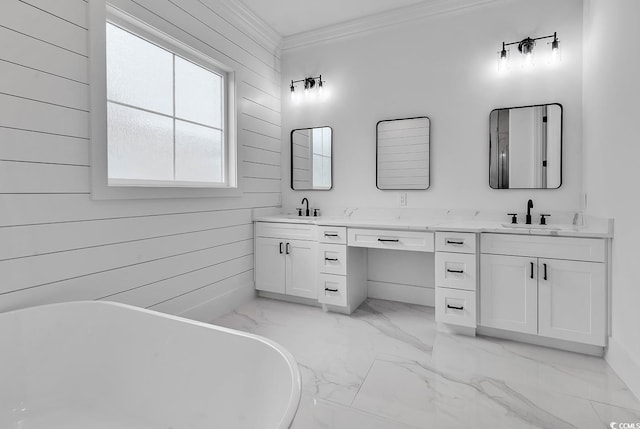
column 102, row 187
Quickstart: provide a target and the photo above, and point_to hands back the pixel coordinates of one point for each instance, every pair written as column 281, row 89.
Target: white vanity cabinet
column 342, row 270
column 285, row 259
column 456, row 276
column 553, row 287
column 509, row 293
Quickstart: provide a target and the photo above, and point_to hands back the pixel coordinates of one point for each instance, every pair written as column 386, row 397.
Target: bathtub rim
column 296, row 384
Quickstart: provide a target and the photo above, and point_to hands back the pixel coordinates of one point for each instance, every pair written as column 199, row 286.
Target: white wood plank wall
column 183, row 256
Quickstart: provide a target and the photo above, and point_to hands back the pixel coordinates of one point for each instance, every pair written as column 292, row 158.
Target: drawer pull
column 388, row 240
column 458, row 243
column 327, row 234
column 453, row 307
column 455, row 271
column 331, row 259
column 330, row 290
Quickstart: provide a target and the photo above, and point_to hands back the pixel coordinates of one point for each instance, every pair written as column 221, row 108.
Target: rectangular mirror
column 525, row 147
column 402, row 153
column 311, row 159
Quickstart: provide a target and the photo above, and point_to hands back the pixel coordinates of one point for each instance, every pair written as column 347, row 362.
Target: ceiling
column 290, row 17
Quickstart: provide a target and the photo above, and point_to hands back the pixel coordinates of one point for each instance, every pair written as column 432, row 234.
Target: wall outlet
column 402, row 198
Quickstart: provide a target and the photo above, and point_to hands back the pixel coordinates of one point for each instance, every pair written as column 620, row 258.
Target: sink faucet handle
column 514, row 217
column 316, row 212
column 299, row 211
column 543, row 221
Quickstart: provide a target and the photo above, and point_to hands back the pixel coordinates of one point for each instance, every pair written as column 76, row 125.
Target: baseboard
column 623, row 364
column 570, row 346
column 221, row 304
column 457, row 330
column 402, row 293
column 289, row 298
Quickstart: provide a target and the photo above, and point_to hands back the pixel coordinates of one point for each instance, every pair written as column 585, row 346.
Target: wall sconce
column 309, row 84
column 525, row 47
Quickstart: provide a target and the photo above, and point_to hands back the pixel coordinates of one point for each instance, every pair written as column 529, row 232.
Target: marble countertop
column 601, row 228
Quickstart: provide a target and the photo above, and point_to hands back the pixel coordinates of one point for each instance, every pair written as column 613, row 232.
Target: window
column 167, row 114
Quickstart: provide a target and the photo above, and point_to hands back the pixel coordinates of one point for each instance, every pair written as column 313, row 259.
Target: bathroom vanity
column 541, row 284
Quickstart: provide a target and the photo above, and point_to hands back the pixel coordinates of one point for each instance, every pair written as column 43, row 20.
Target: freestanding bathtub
column 99, row 365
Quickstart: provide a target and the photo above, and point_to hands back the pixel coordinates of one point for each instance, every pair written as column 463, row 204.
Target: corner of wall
column 627, row 367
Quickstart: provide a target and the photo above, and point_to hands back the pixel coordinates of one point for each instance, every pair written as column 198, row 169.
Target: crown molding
column 249, row 22
column 380, row 20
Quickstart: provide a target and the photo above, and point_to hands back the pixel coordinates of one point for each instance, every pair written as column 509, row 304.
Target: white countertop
column 601, row 228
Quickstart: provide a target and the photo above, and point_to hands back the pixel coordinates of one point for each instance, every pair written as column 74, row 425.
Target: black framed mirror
column 525, row 147
column 402, row 153
column 312, row 159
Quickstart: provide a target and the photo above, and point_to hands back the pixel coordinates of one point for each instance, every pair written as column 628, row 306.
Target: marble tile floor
column 387, row 366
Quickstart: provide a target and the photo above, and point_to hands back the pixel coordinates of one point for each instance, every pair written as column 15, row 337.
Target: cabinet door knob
column 453, row 307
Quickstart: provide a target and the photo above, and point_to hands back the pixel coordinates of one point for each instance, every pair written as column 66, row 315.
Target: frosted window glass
column 139, row 73
column 199, row 153
column 140, row 144
column 198, row 94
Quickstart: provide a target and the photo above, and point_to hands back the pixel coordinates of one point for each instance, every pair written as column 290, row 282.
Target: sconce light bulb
column 528, row 60
column 502, row 63
column 320, row 87
column 555, row 51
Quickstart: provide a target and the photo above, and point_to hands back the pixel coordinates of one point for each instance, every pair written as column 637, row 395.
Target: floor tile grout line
column 373, row 361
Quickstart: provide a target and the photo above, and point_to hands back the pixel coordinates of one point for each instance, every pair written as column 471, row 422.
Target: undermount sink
column 525, row 226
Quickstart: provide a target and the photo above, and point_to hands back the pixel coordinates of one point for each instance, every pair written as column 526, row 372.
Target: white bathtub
column 95, row 365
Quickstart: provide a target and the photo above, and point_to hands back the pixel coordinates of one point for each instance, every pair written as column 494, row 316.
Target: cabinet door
column 509, row 293
column 572, row 301
column 270, row 265
column 302, row 269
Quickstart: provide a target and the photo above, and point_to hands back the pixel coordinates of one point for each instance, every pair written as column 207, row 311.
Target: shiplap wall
column 182, row 256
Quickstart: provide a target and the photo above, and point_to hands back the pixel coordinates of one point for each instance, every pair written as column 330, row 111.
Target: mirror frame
column 291, row 158
column 561, row 146
column 428, row 152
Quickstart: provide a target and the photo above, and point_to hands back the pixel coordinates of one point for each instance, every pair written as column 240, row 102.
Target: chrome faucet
column 307, row 211
column 528, row 217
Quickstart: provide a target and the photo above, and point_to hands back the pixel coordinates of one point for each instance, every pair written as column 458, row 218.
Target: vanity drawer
column 456, row 270
column 459, row 242
column 383, row 239
column 577, row 249
column 332, row 258
column 332, row 234
column 332, row 289
column 285, row 231
column 456, row 307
